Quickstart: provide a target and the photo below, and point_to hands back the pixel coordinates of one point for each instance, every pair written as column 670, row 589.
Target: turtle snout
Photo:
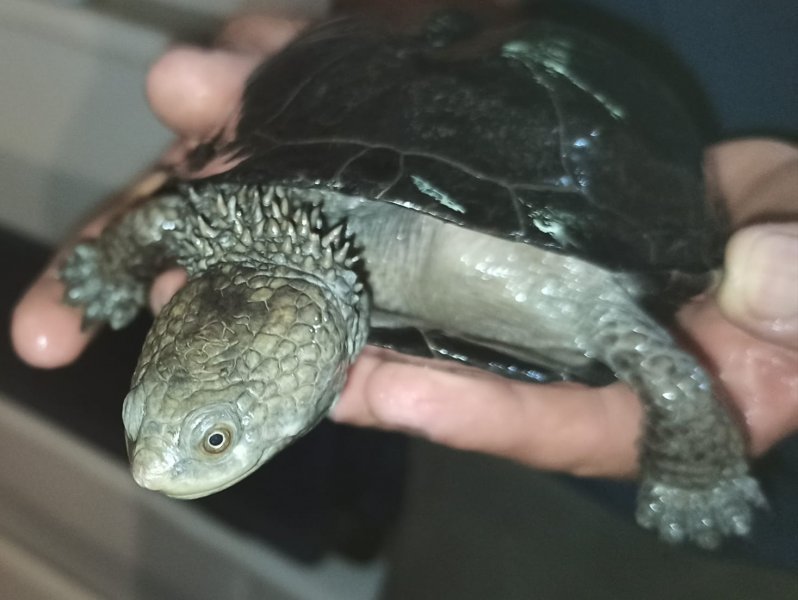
column 150, row 470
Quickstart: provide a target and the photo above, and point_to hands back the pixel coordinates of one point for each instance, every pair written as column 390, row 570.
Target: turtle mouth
column 187, row 491
column 130, row 446
column 184, row 479
column 192, row 493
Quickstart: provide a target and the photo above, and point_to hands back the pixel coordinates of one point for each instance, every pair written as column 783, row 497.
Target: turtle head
column 237, row 366
column 205, row 451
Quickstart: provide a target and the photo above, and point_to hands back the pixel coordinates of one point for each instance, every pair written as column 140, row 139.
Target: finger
column 560, row 427
column 193, row 91
column 45, row 332
column 164, row 287
column 577, row 430
column 759, row 290
column 761, row 378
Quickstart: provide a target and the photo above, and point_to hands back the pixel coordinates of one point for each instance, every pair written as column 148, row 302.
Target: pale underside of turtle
column 522, row 201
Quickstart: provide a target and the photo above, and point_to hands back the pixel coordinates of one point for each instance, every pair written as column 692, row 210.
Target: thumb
column 759, row 290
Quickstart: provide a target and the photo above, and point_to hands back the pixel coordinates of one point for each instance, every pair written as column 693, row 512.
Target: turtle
column 525, row 199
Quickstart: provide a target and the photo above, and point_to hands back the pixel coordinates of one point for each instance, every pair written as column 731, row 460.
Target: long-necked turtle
column 520, row 200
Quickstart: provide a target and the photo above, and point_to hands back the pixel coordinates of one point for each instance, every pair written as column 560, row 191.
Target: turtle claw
column 106, row 296
column 702, row 516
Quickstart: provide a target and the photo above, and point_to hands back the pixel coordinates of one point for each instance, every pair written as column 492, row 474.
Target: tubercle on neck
column 255, row 226
column 235, row 227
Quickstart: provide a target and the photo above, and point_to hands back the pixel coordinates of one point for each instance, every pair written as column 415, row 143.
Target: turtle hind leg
column 695, row 481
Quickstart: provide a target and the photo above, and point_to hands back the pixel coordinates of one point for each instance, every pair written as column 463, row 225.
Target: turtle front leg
column 695, row 481
column 110, row 276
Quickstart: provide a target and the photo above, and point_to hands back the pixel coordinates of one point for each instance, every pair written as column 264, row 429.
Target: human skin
column 746, row 330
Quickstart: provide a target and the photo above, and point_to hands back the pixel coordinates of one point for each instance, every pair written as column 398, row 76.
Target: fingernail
column 771, row 275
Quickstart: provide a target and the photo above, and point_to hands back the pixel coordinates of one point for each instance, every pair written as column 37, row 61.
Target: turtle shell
column 539, row 133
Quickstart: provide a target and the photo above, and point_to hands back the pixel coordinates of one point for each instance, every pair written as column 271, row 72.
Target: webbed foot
column 106, row 294
column 703, row 516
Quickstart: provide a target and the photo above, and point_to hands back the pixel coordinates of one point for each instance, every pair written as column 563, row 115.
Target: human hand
column 562, row 426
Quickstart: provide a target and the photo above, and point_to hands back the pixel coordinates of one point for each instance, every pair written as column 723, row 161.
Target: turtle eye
column 217, row 440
